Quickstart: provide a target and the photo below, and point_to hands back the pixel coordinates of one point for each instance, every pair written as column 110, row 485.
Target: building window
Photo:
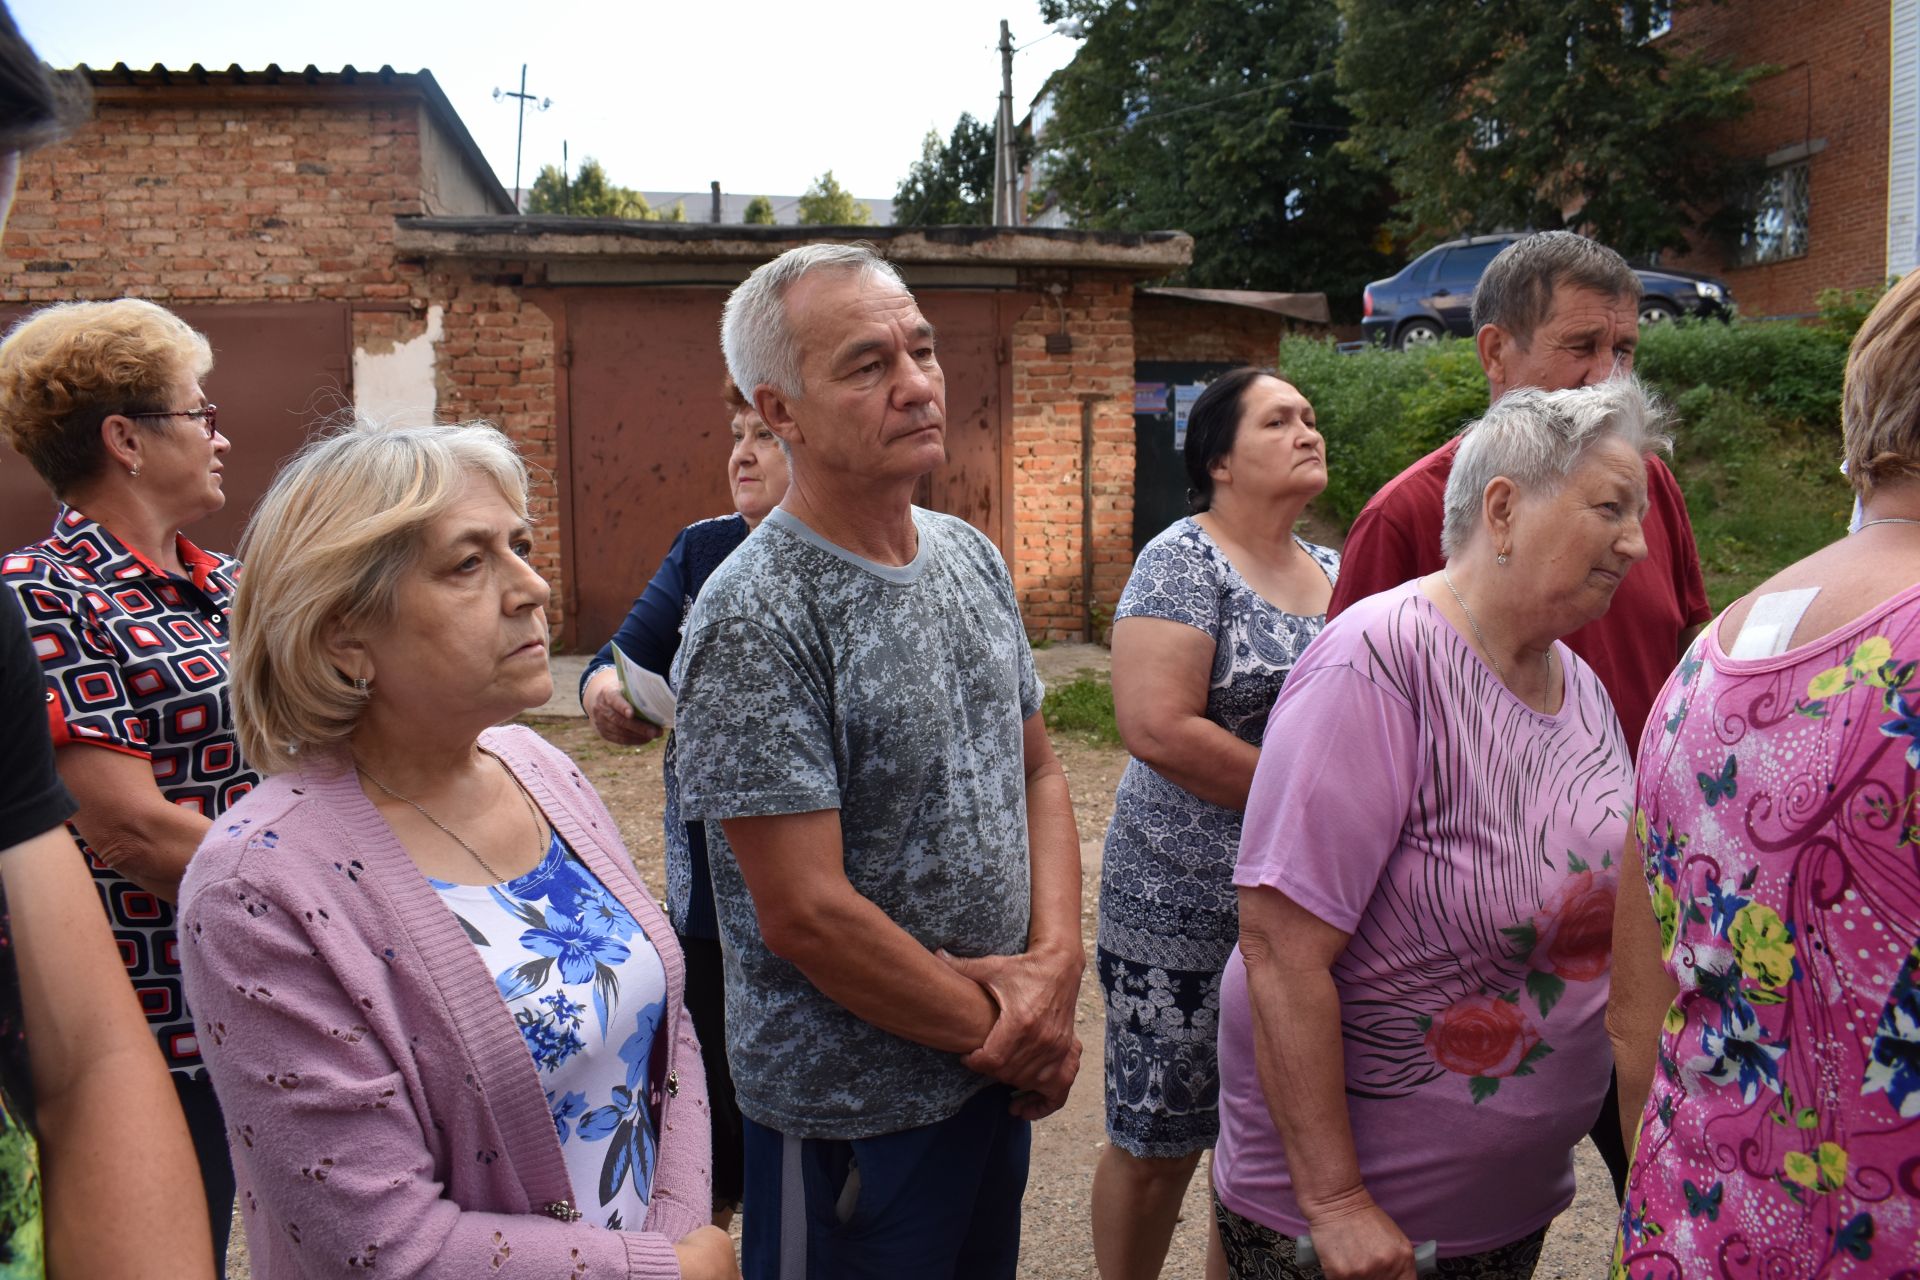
column 1656, row 14
column 1777, row 229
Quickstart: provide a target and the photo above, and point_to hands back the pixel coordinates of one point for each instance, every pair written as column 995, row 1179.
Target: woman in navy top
column 757, row 479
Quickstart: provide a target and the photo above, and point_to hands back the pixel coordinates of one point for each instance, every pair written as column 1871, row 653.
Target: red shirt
column 1633, row 648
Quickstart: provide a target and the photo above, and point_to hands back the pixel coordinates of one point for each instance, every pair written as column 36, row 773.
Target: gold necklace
column 1484, row 646
column 472, row 852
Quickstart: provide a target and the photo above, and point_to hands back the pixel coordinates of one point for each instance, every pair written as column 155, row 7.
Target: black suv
column 1432, row 296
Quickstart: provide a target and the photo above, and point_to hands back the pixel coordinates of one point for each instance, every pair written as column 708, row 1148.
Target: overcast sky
column 760, row 94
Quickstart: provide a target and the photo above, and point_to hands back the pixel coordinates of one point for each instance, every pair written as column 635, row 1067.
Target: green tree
column 1497, row 114
column 1220, row 118
column 951, row 182
column 759, row 212
column 590, row 195
column 828, row 204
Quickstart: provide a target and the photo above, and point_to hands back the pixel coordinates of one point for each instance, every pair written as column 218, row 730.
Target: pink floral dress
column 1779, row 824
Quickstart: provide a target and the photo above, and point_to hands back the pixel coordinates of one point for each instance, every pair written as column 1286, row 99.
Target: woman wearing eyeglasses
column 129, row 620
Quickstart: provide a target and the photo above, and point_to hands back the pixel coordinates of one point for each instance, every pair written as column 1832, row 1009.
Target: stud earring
column 359, row 684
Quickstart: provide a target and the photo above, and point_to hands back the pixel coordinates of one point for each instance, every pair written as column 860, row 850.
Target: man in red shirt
column 1555, row 310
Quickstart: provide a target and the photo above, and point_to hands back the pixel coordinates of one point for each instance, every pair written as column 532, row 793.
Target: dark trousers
column 209, row 1132
column 707, row 1006
column 1606, row 1136
column 940, row 1202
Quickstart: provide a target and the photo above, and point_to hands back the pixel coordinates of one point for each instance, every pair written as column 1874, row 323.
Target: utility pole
column 520, row 130
column 566, row 184
column 1006, row 176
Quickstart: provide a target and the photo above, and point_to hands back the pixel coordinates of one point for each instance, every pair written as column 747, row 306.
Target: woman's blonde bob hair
column 1880, row 408
column 327, row 546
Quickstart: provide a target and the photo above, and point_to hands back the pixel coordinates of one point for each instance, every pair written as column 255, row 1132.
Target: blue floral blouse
column 588, row 992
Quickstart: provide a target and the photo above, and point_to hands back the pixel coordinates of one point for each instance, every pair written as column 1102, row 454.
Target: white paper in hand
column 644, row 690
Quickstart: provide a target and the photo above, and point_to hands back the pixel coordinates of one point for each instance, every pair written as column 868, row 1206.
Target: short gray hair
column 340, row 524
column 754, row 333
column 1516, row 290
column 1537, row 438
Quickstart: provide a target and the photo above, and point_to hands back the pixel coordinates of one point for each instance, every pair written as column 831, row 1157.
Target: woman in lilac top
column 1766, row 1007
column 1411, row 1038
column 445, row 1021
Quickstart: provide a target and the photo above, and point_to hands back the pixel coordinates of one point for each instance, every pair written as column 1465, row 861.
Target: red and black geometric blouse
column 135, row 660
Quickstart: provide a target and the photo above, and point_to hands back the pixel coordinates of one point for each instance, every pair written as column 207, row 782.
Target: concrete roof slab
column 1144, row 255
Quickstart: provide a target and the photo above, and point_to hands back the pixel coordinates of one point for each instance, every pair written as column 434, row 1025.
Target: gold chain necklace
column 1484, row 646
column 473, row 853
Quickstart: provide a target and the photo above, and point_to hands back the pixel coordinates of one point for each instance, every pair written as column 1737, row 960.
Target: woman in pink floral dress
column 1766, row 1005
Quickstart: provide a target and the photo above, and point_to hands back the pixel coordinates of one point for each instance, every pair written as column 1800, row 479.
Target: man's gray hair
column 1516, row 290
column 754, row 334
column 1537, row 438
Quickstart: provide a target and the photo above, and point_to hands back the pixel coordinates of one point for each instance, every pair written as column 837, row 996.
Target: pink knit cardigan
column 384, row 1114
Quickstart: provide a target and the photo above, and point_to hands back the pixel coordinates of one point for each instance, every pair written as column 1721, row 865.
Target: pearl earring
column 1501, row 558
column 133, row 473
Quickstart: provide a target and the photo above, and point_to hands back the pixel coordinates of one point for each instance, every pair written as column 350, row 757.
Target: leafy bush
column 1082, row 706
column 1791, row 371
column 1380, row 410
column 1845, row 310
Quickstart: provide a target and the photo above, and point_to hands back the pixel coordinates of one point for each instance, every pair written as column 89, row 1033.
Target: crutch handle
column 1426, row 1255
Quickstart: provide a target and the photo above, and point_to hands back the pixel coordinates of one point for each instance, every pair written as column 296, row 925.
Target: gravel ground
column 1056, row 1238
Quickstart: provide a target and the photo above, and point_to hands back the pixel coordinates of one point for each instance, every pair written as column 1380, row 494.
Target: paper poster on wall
column 1183, row 397
column 1149, row 397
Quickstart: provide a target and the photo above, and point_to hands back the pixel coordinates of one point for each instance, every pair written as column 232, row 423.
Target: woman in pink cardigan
column 443, row 1016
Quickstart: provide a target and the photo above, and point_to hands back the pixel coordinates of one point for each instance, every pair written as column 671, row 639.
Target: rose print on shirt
column 1573, row 931
column 1485, row 1038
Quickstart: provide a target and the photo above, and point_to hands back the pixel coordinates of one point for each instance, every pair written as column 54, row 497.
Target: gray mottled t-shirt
column 813, row 679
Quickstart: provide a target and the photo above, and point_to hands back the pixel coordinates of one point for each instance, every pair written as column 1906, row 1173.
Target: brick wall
column 207, row 196
column 204, row 203
column 1167, row 328
column 1832, row 84
column 1048, row 391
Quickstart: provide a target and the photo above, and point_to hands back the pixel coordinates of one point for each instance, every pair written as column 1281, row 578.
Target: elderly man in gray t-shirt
column 895, row 862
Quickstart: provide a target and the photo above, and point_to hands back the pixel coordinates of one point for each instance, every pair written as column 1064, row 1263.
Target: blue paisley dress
column 1168, row 913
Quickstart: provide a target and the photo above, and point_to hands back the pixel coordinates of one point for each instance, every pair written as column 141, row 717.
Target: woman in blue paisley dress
column 1217, row 611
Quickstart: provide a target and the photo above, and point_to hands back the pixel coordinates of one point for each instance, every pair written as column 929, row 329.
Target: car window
column 1422, row 269
column 1464, row 265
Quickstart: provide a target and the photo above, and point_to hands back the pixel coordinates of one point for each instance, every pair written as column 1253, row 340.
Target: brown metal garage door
column 646, row 433
column 278, row 369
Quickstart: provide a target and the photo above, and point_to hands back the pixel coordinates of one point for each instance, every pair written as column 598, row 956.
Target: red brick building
column 345, row 246
column 1834, row 133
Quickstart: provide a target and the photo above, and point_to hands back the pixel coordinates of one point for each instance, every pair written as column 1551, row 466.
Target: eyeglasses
column 206, row 416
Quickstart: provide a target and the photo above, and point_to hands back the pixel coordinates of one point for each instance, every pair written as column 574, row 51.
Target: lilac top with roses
column 1779, row 824
column 1468, row 844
